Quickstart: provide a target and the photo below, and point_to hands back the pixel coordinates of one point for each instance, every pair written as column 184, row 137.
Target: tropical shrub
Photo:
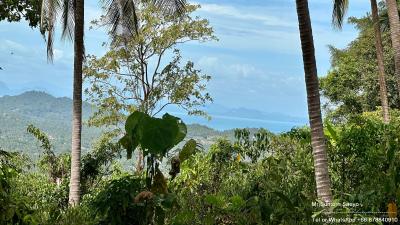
column 364, row 153
column 276, row 188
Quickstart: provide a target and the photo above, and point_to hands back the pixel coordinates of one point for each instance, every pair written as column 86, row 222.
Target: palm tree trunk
column 395, row 34
column 314, row 105
column 381, row 66
column 74, row 191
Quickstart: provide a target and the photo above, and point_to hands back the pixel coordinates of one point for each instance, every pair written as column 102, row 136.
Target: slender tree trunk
column 74, row 189
column 395, row 34
column 314, row 105
column 381, row 66
column 140, row 161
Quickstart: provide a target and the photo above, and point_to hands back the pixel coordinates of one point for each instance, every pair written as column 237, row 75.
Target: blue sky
column 256, row 63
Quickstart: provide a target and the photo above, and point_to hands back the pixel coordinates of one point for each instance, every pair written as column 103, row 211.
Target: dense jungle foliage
column 253, row 180
column 254, row 177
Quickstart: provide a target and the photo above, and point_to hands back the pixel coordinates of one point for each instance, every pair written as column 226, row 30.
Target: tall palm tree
column 318, row 141
column 394, row 22
column 74, row 191
column 120, row 13
column 72, row 17
column 339, row 10
column 381, row 65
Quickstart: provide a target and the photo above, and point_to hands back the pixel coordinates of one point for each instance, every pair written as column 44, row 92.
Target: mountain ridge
column 53, row 115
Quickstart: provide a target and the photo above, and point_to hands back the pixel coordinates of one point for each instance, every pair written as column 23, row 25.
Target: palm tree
column 394, row 22
column 74, row 191
column 72, row 17
column 314, row 105
column 120, row 13
column 339, row 10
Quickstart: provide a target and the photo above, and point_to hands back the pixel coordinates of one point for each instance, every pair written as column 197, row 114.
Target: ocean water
column 221, row 123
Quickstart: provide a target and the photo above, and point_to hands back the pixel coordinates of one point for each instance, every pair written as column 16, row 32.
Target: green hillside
column 53, row 115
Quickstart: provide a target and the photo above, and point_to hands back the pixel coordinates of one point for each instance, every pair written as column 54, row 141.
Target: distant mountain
column 53, row 116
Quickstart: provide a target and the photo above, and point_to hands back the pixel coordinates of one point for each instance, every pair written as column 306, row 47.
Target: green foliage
column 156, row 136
column 79, row 215
column 190, row 148
column 42, row 137
column 228, row 191
column 56, row 166
column 160, row 135
column 351, row 85
column 214, row 187
column 42, row 198
column 362, row 149
column 252, row 147
column 115, row 203
column 96, row 164
column 145, row 72
column 15, row 10
column 8, row 208
column 28, row 197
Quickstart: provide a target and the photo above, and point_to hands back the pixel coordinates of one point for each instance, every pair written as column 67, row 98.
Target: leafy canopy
column 145, row 72
column 15, row 10
column 351, row 85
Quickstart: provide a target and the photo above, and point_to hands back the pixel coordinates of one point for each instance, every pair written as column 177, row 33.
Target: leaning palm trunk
column 74, row 191
column 381, row 66
column 395, row 34
column 314, row 106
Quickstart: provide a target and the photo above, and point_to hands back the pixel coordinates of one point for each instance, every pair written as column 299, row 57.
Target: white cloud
column 236, row 13
column 228, row 70
column 243, row 70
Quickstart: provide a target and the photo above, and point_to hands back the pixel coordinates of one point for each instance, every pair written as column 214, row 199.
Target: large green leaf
column 131, row 140
column 157, row 135
column 133, row 121
column 182, row 129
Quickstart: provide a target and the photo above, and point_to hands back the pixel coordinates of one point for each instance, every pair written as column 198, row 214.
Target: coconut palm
column 120, row 13
column 72, row 19
column 394, row 22
column 339, row 10
column 318, row 141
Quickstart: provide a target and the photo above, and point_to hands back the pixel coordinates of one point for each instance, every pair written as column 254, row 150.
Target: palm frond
column 121, row 16
column 384, row 20
column 48, row 20
column 171, row 6
column 68, row 19
column 339, row 11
